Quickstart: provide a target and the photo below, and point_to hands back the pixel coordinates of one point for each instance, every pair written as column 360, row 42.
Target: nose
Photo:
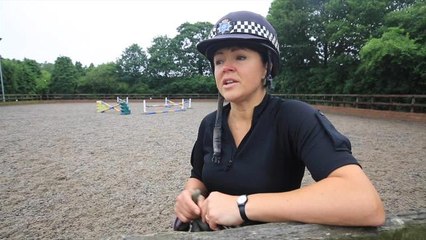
column 228, row 66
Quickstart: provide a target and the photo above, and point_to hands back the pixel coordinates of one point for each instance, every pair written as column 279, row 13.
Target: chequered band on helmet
column 245, row 27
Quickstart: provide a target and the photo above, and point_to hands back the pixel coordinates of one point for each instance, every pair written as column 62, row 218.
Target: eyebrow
column 233, row 49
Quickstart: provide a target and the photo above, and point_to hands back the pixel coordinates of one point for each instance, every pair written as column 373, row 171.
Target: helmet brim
column 210, row 46
column 207, row 47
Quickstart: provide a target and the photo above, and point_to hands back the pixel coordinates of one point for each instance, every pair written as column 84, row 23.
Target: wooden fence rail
column 404, row 103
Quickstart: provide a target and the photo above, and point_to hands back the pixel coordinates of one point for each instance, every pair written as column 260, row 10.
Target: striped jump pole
column 185, row 104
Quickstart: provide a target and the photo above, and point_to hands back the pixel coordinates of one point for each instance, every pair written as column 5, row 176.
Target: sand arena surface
column 69, row 172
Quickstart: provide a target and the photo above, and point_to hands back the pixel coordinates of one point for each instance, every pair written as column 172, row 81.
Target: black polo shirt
column 285, row 136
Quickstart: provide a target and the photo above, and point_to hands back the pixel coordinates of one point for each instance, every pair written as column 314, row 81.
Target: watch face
column 242, row 199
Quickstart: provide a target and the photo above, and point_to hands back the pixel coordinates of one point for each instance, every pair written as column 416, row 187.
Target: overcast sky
column 98, row 31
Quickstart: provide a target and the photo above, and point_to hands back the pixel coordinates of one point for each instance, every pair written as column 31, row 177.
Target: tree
column 31, row 73
column 64, row 76
column 42, row 83
column 393, row 64
column 321, row 40
column 20, row 77
column 10, row 70
column 132, row 64
column 80, row 69
column 297, row 23
column 190, row 62
column 162, row 61
column 173, row 60
column 102, row 79
column 411, row 18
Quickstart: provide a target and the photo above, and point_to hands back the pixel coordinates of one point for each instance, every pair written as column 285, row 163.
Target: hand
column 185, row 208
column 220, row 209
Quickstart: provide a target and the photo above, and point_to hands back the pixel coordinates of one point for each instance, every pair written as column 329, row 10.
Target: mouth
column 228, row 82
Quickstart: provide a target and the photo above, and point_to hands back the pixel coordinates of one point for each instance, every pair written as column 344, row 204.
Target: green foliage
column 412, row 19
column 327, row 46
column 64, row 76
column 20, row 76
column 132, row 64
column 102, row 79
column 10, row 75
column 197, row 84
column 42, row 83
column 291, row 19
column 162, row 61
column 189, row 61
column 80, row 69
column 321, row 43
column 393, row 63
column 138, row 88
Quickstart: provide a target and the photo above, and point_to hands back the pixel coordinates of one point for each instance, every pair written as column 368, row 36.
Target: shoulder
column 292, row 110
column 208, row 120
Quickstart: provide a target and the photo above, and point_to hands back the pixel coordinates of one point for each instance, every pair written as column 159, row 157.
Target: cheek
column 258, row 72
column 216, row 76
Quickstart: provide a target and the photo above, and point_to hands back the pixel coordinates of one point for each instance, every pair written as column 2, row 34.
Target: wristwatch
column 241, row 201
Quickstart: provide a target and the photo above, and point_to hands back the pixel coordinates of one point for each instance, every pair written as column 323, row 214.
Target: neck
column 243, row 111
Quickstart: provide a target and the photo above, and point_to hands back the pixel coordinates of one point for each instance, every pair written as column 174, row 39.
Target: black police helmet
column 242, row 28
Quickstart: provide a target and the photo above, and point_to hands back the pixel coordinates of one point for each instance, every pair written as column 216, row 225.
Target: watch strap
column 242, row 208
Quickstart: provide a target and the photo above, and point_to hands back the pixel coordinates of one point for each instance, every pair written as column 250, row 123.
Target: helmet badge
column 224, row 26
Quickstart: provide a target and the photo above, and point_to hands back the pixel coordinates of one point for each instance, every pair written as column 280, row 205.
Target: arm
column 346, row 198
column 185, row 208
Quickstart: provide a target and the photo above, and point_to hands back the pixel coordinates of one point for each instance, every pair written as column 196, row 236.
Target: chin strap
column 267, row 81
column 217, row 131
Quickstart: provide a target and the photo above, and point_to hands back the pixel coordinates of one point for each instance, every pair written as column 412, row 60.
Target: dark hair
column 262, row 51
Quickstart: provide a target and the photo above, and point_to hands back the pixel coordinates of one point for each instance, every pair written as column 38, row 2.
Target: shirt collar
column 258, row 110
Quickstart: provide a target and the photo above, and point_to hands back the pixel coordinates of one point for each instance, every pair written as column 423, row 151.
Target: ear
column 268, row 70
column 265, row 70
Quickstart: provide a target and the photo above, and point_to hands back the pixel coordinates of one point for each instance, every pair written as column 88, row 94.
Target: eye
column 241, row 58
column 218, row 62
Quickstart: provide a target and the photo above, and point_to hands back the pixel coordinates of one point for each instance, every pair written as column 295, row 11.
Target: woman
column 249, row 158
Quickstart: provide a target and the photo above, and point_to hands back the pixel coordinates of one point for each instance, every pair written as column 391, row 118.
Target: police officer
column 250, row 155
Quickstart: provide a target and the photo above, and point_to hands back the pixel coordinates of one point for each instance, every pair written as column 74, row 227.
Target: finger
column 182, row 218
column 195, row 194
column 186, row 211
column 213, row 225
column 200, row 200
column 181, row 213
column 186, row 216
column 195, row 209
column 190, row 213
column 203, row 209
column 191, row 198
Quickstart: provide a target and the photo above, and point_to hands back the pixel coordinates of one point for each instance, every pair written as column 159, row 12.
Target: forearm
column 335, row 200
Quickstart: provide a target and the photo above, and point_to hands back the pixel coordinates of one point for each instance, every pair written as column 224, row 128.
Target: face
column 239, row 73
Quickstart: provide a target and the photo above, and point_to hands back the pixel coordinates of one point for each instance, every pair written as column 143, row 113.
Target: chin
column 232, row 97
